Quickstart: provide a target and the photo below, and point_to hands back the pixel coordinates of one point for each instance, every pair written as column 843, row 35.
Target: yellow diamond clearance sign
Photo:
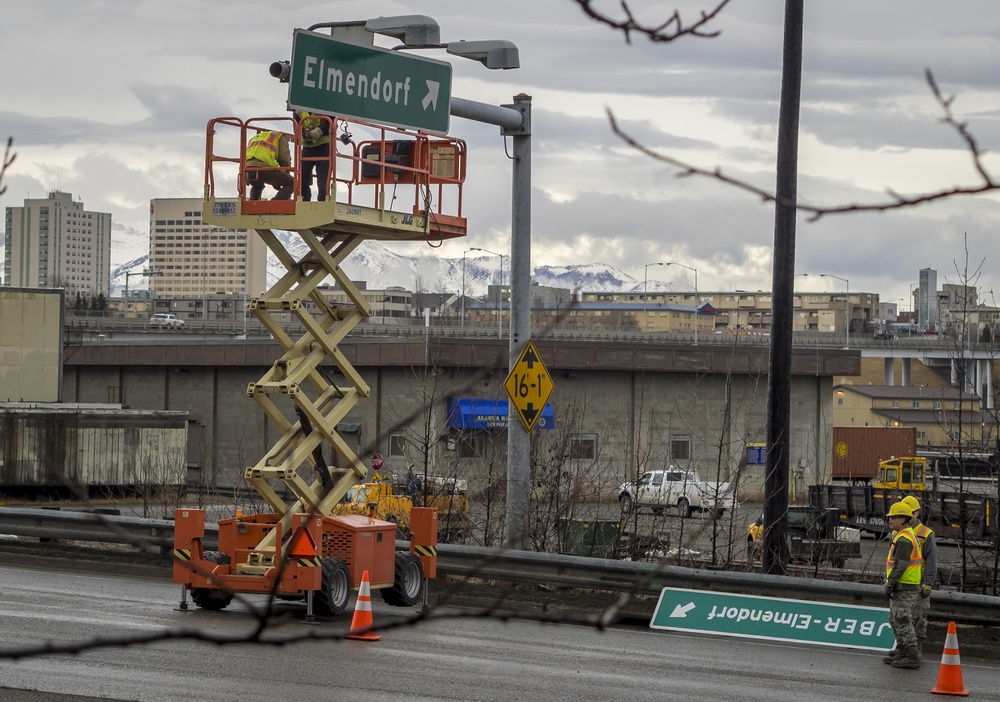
column 529, row 386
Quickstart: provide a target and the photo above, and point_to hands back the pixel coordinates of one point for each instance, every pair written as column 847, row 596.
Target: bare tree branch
column 667, row 31
column 898, row 201
column 8, row 159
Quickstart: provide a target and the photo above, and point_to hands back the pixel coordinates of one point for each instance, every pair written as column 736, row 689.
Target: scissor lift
column 300, row 549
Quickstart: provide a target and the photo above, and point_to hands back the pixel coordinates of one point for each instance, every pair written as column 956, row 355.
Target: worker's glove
column 314, row 134
column 887, row 589
column 925, row 590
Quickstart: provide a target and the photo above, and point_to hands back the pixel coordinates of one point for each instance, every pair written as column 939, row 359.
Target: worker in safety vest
column 928, row 551
column 315, row 154
column 266, row 152
column 902, row 586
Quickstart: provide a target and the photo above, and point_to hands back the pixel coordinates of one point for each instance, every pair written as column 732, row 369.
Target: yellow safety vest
column 922, row 532
column 264, row 147
column 310, row 121
column 911, row 576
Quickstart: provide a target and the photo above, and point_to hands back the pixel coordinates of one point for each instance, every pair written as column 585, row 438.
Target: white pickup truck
column 676, row 489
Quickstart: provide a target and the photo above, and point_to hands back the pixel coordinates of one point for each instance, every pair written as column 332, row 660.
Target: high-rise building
column 195, row 259
column 55, row 243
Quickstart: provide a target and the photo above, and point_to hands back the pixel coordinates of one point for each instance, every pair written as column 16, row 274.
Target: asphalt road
column 453, row 655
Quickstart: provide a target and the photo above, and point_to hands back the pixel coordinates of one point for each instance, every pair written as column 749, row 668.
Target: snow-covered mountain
column 381, row 267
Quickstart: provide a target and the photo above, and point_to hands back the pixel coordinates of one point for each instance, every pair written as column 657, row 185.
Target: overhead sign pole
column 367, row 82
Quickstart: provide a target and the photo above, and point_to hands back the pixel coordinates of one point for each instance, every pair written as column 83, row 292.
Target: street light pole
column 645, row 295
column 499, row 290
column 696, row 301
column 463, row 285
column 847, row 304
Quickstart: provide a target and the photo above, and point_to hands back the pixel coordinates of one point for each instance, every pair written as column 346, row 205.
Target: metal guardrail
column 525, row 566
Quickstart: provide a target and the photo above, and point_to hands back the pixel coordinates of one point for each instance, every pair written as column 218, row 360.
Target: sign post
column 529, row 386
column 369, row 83
column 773, row 618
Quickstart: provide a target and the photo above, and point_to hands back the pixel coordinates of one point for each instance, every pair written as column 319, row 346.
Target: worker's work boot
column 893, row 656
column 910, row 659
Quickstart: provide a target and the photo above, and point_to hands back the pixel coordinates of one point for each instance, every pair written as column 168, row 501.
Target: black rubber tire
column 408, row 581
column 212, row 598
column 683, row 507
column 626, row 502
column 334, row 593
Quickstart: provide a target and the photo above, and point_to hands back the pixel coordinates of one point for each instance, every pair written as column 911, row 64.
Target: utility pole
column 779, row 393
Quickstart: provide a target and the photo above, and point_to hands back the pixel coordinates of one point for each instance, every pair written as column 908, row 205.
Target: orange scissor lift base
column 362, row 543
column 283, row 552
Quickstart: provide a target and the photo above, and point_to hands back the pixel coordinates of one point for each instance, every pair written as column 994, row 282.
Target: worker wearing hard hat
column 902, row 586
column 267, row 151
column 928, row 551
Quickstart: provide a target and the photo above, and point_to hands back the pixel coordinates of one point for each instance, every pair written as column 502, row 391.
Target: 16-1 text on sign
column 529, row 386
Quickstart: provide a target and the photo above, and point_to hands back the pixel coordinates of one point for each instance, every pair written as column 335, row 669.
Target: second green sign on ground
column 774, row 618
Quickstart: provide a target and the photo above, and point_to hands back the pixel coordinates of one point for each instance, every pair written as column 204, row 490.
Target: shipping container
column 62, row 446
column 858, row 450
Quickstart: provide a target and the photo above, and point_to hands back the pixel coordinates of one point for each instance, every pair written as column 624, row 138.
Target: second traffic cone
column 363, row 621
column 949, row 680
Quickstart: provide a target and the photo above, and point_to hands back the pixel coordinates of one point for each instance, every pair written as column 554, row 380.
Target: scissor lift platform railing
column 332, row 230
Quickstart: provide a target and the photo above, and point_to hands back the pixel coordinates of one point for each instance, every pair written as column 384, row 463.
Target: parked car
column 681, row 490
column 166, row 320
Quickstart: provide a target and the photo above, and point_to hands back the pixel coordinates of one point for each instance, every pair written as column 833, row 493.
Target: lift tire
column 335, row 590
column 210, row 597
column 408, row 581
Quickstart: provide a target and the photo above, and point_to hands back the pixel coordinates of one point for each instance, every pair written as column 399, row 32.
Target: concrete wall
column 632, row 412
column 31, row 327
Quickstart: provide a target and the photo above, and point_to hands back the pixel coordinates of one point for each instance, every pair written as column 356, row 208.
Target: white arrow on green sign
column 366, row 82
column 773, row 618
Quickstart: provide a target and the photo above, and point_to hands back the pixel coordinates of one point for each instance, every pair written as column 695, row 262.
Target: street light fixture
column 696, row 301
column 463, row 285
column 499, row 290
column 847, row 304
column 129, row 274
column 645, row 295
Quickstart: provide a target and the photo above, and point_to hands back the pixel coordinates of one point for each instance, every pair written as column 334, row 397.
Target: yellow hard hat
column 911, row 502
column 900, row 509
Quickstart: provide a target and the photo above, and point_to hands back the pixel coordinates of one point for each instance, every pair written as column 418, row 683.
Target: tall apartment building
column 55, row 243
column 199, row 260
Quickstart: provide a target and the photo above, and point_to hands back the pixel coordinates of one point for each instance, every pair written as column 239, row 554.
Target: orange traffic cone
column 949, row 680
column 362, row 621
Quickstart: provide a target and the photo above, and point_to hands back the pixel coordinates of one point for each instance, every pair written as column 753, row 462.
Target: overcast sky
column 108, row 100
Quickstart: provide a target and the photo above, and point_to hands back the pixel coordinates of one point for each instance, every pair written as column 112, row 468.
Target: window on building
column 895, row 404
column 954, row 435
column 916, row 404
column 470, row 445
column 680, row 447
column 937, row 404
column 397, row 444
column 583, row 446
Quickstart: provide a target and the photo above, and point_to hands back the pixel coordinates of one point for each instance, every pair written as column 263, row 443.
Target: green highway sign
column 773, row 618
column 369, row 83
